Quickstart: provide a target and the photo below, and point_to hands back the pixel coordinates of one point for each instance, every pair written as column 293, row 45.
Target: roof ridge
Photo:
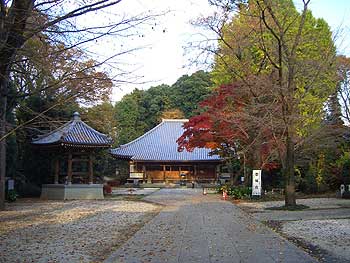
column 66, row 128
column 53, row 131
column 142, row 136
column 152, row 130
column 175, row 120
column 159, row 144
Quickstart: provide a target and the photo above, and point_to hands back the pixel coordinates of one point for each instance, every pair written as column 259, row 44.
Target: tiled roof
column 159, row 144
column 75, row 132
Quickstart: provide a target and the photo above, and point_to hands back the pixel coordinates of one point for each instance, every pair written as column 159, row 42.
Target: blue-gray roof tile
column 159, row 144
column 75, row 132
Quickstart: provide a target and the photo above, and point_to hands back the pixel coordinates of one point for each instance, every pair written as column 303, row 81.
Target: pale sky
column 163, row 58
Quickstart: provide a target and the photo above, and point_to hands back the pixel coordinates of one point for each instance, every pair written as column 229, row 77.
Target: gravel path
column 74, row 231
column 193, row 228
column 134, row 191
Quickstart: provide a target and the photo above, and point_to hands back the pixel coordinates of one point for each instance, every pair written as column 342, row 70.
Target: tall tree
column 140, row 111
column 343, row 70
column 271, row 38
column 188, row 91
column 20, row 20
column 129, row 117
column 156, row 100
column 235, row 124
column 102, row 118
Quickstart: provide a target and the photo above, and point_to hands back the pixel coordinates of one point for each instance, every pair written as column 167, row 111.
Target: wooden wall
column 158, row 172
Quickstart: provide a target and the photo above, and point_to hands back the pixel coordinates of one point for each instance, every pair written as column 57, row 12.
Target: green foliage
column 188, row 91
column 102, row 118
column 320, row 175
column 240, row 192
column 344, row 159
column 308, row 183
column 130, row 117
column 141, row 110
column 156, row 100
column 343, row 162
column 248, row 50
column 104, row 165
column 11, row 195
column 236, row 192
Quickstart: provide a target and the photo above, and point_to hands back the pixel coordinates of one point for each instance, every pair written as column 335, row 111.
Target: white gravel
column 325, row 224
column 331, row 235
column 74, row 231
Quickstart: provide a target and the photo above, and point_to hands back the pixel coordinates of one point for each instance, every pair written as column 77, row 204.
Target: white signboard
column 256, row 185
column 10, row 184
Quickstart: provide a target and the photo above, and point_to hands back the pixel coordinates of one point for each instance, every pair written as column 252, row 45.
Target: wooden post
column 164, row 171
column 57, row 169
column 144, row 173
column 69, row 169
column 195, row 173
column 91, row 171
column 170, row 172
column 148, row 177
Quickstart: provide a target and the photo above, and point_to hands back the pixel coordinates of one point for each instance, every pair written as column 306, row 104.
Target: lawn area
column 32, row 230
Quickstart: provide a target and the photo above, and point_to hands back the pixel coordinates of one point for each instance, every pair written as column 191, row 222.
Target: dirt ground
column 69, row 231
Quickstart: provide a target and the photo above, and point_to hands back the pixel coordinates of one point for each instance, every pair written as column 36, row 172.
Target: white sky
column 163, row 59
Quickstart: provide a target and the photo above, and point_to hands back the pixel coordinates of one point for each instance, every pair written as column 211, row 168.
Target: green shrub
column 237, row 192
column 221, row 188
column 11, row 195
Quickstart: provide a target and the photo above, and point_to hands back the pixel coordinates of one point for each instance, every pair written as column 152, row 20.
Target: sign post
column 256, row 185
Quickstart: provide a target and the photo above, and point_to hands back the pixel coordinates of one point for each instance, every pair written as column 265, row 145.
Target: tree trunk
column 12, row 28
column 234, row 177
column 289, row 173
column 3, row 105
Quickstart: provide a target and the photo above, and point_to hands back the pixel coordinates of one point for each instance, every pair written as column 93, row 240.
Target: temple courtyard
column 173, row 225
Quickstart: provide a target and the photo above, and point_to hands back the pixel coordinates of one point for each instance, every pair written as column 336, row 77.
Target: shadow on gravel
column 316, row 251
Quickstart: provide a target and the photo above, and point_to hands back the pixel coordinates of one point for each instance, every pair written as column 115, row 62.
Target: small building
column 154, row 157
column 73, row 147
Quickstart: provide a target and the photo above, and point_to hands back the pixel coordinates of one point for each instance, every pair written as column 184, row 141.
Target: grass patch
column 288, row 208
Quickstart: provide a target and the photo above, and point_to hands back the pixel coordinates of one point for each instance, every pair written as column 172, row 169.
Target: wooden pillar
column 57, row 170
column 195, row 172
column 91, row 169
column 144, row 173
column 164, row 171
column 148, row 177
column 170, row 171
column 217, row 172
column 69, row 168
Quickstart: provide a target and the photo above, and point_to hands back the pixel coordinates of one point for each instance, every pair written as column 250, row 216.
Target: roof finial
column 76, row 116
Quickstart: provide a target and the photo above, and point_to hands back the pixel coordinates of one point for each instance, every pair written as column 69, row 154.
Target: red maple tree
column 238, row 119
